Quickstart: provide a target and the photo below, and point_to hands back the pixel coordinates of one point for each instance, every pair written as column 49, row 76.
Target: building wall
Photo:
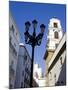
column 50, row 54
column 23, row 68
column 56, row 71
column 42, row 82
column 53, row 40
column 57, row 65
column 13, row 50
column 62, row 77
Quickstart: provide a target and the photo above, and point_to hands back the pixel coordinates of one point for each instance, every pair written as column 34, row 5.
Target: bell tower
column 54, row 36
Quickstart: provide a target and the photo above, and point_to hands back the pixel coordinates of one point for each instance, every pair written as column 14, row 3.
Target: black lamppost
column 33, row 40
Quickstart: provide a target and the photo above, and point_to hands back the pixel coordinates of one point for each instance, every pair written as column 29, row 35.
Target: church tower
column 54, row 36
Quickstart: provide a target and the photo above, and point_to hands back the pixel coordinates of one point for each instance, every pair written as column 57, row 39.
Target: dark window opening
column 22, row 73
column 55, row 25
column 56, row 35
column 10, row 86
column 21, row 84
column 55, row 75
column 56, row 45
column 62, row 82
column 12, row 28
column 25, row 57
column 61, row 60
column 16, row 33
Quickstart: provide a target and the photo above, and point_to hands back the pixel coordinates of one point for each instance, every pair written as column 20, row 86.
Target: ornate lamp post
column 33, row 40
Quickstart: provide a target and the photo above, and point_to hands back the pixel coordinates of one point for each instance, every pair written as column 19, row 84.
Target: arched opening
column 56, row 35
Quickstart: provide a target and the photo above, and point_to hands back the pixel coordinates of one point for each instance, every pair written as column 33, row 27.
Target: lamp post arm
column 27, row 37
column 39, row 39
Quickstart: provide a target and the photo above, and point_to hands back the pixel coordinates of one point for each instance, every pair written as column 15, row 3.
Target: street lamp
column 33, row 40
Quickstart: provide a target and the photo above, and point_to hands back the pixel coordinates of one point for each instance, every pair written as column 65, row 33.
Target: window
column 55, row 75
column 12, row 28
column 13, row 49
column 11, row 69
column 22, row 73
column 58, row 83
column 53, row 29
column 55, row 78
column 25, row 57
column 56, row 45
column 55, row 25
column 26, row 80
column 56, row 34
column 27, row 71
column 62, row 82
column 12, row 63
column 21, row 84
column 10, row 86
column 61, row 60
column 14, row 44
column 16, row 33
column 10, row 39
column 24, row 85
column 50, row 76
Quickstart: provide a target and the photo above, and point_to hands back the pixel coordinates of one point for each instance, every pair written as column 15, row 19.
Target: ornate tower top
column 54, row 23
column 55, row 34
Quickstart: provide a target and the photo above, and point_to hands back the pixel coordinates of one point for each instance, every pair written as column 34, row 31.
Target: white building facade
column 57, row 65
column 13, row 50
column 23, row 68
column 54, row 35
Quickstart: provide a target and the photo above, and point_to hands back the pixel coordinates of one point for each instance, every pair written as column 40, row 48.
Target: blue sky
column 23, row 11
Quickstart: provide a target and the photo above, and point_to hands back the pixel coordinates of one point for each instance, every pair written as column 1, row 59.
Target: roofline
column 22, row 45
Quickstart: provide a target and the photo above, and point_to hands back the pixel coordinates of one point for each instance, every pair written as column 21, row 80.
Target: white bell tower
column 55, row 34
